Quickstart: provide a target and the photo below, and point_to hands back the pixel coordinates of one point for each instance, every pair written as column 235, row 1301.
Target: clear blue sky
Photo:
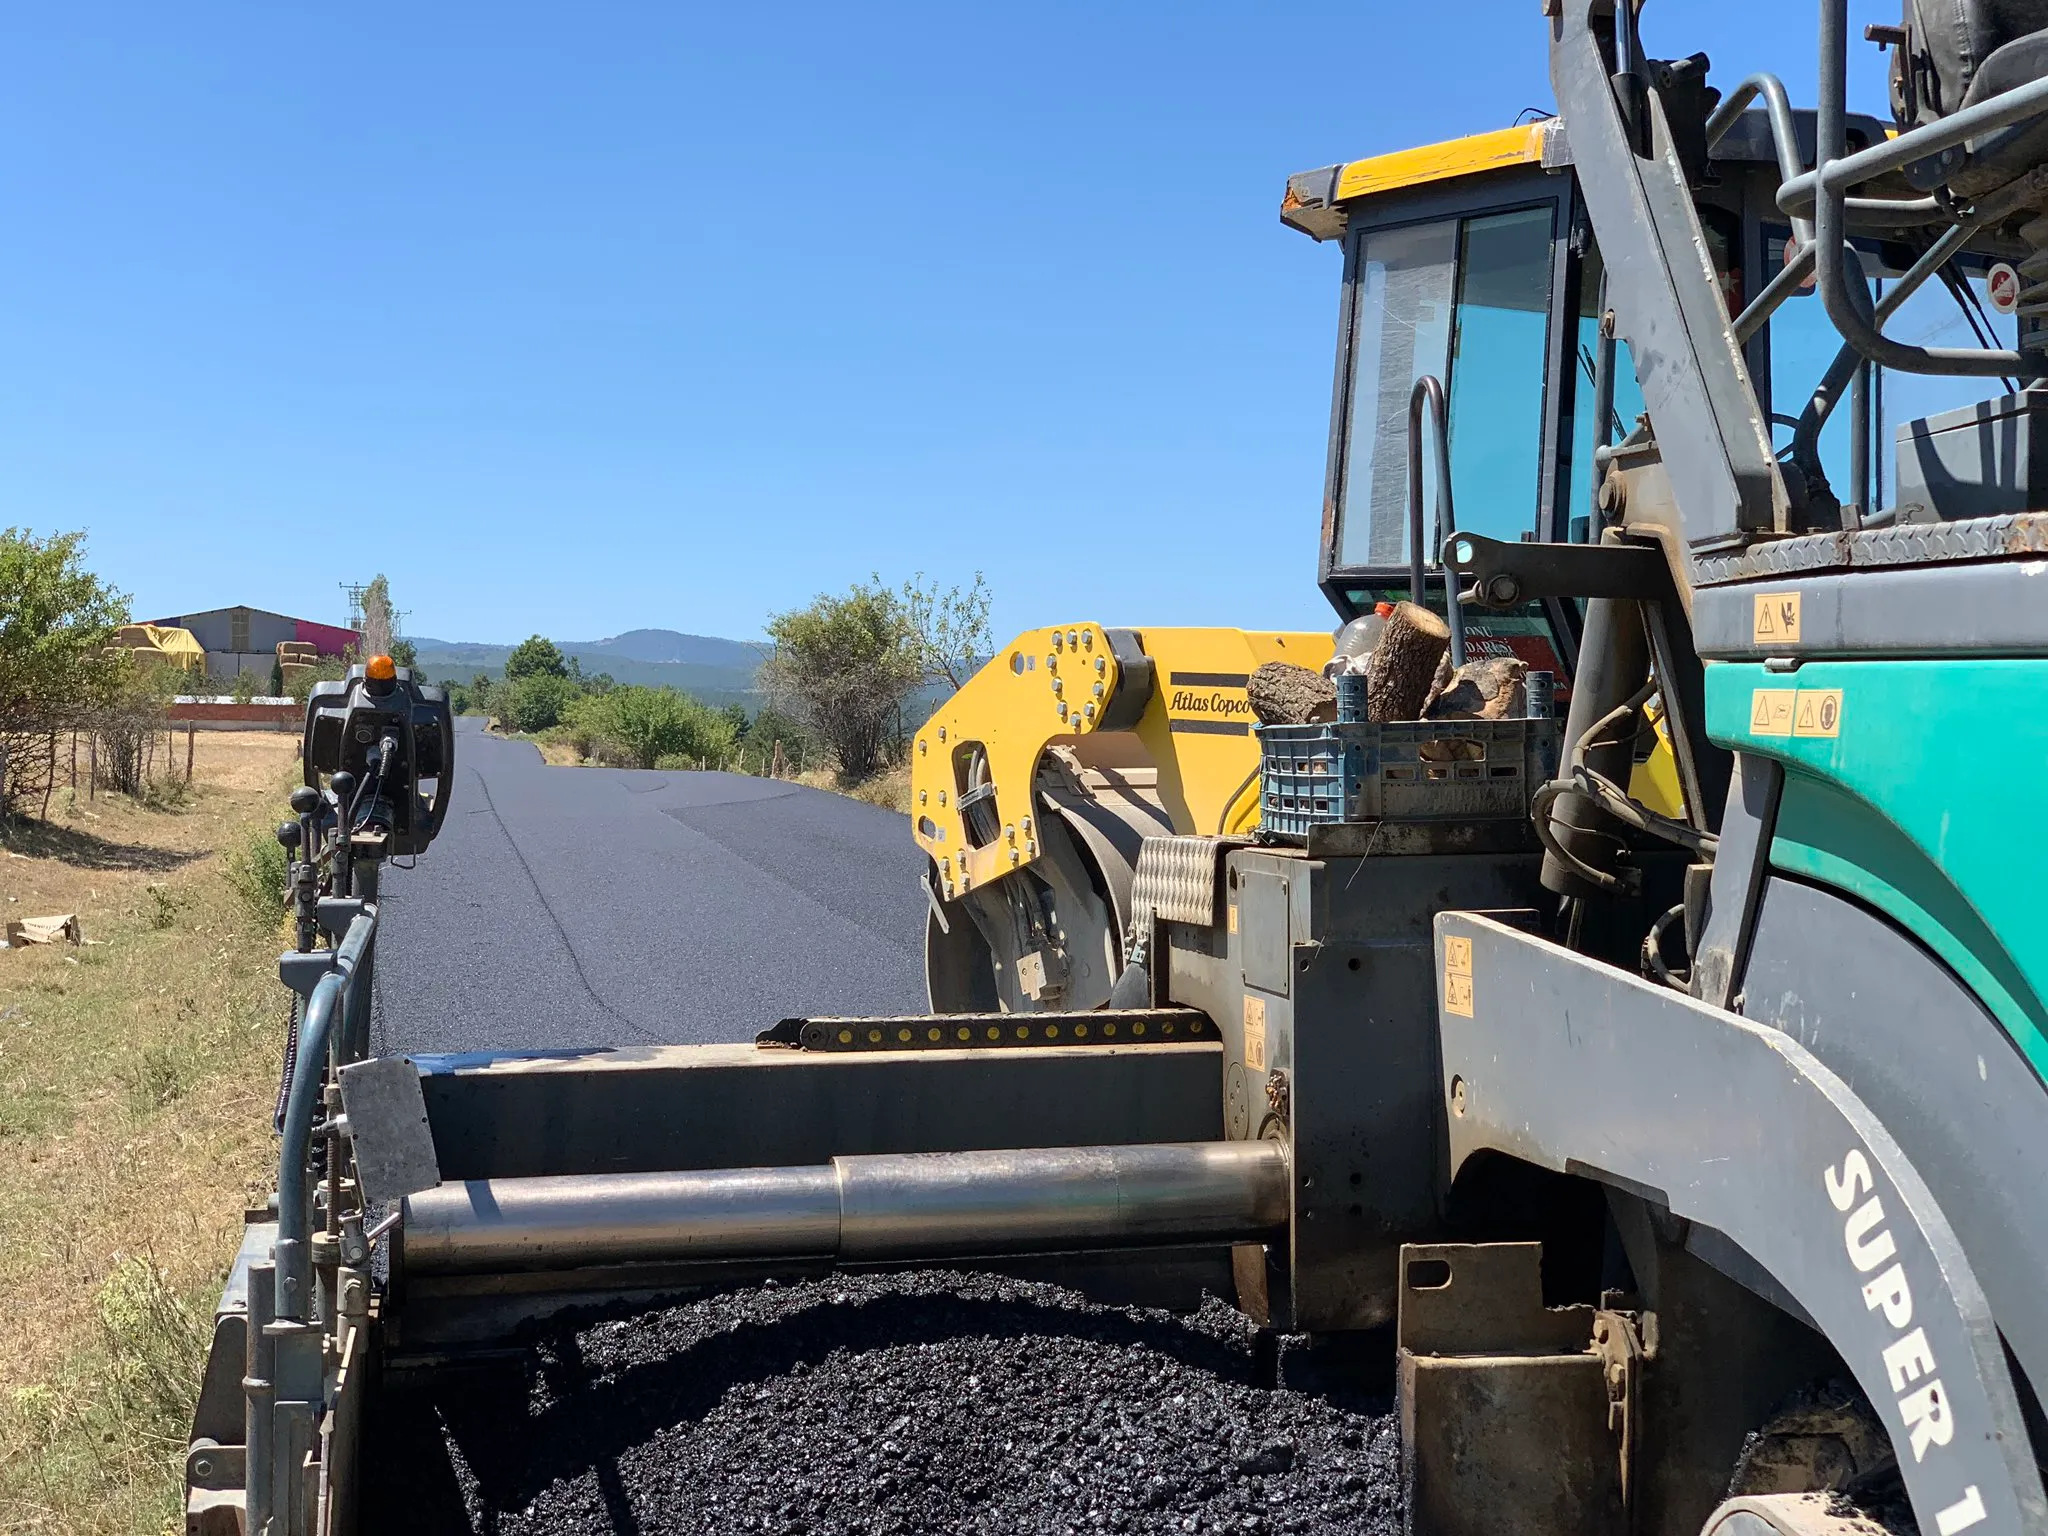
column 583, row 318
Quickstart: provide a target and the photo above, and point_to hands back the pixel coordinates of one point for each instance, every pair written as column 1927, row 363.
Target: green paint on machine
column 1919, row 801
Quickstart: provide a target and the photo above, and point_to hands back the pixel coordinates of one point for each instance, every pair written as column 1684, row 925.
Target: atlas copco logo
column 1194, row 701
column 1215, row 695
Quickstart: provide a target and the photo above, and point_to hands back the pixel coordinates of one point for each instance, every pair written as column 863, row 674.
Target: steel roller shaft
column 859, row 1209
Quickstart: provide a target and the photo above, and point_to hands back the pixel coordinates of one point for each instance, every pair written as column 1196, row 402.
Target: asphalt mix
column 887, row 1406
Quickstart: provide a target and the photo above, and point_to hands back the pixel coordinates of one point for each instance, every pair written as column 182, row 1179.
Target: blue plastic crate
column 1412, row 770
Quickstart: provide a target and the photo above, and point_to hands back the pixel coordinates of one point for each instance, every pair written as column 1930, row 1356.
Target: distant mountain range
column 717, row 671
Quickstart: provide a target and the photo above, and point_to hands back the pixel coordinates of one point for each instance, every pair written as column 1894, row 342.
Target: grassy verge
column 889, row 789
column 136, row 1076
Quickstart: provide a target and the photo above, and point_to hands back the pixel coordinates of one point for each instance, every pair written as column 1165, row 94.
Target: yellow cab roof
column 1314, row 199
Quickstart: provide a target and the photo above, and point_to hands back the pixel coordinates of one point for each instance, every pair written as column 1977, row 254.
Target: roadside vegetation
column 136, row 1065
column 846, row 679
column 136, row 1075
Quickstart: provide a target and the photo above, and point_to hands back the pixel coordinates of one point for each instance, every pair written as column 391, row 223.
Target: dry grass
column 889, row 789
column 136, row 1076
column 557, row 754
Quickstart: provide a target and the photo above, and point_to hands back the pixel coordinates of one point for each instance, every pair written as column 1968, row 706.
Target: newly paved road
column 592, row 906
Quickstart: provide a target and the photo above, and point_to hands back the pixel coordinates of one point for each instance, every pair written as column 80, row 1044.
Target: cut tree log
column 1284, row 694
column 1492, row 688
column 1403, row 664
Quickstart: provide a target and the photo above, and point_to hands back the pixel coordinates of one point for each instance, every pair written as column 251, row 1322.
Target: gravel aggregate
column 881, row 1404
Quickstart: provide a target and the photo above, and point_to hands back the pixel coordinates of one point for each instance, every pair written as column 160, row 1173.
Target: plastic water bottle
column 1356, row 640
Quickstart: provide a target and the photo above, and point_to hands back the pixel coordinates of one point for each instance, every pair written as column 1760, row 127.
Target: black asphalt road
column 593, row 906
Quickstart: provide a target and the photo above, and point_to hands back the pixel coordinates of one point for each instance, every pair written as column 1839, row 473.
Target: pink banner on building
column 328, row 639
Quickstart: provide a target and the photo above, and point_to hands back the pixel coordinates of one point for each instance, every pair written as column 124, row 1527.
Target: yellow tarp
column 164, row 642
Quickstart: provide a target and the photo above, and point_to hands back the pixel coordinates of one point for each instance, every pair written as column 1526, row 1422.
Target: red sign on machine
column 2002, row 287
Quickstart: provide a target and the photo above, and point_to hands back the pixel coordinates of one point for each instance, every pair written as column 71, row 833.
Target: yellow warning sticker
column 1770, row 711
column 1254, row 1033
column 1458, row 976
column 1818, row 713
column 1231, row 919
column 1458, row 995
column 1774, row 618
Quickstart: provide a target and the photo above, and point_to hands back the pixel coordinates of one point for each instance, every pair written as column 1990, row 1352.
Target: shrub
column 533, row 702
column 255, row 870
column 327, row 670
column 128, row 722
column 638, row 727
column 844, row 666
column 155, row 1347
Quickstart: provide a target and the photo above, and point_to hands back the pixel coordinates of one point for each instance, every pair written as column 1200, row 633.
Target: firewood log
column 1284, row 694
column 1492, row 688
column 1402, row 665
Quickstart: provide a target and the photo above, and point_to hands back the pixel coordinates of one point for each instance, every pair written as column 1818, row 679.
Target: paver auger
column 1691, row 1161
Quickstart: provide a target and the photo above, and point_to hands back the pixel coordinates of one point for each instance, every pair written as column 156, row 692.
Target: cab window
column 1468, row 300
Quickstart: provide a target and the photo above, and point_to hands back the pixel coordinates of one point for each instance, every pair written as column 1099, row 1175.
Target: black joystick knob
column 288, row 833
column 344, row 786
column 305, row 800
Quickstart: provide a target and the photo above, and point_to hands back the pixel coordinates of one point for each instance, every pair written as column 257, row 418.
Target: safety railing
column 1826, row 190
column 1428, row 394
column 285, row 1383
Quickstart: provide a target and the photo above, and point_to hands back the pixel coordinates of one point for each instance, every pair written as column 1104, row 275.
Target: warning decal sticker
column 1458, row 976
column 1774, row 618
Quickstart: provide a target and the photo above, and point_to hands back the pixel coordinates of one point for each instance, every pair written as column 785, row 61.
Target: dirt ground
column 136, row 1076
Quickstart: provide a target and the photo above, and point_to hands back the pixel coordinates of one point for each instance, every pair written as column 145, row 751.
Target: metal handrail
column 1838, row 171
column 1849, row 360
column 1429, row 391
column 335, row 994
column 1784, row 130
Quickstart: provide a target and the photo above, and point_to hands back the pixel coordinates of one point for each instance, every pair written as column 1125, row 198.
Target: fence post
column 191, row 730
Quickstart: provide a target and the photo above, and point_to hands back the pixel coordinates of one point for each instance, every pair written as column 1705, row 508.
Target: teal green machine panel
column 1921, row 788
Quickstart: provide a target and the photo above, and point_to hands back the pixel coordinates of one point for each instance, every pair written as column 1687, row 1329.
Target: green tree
column 534, row 702
column 406, row 654
column 843, row 666
column 644, row 726
column 56, row 621
column 327, row 669
column 951, row 626
column 534, row 656
column 380, row 624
